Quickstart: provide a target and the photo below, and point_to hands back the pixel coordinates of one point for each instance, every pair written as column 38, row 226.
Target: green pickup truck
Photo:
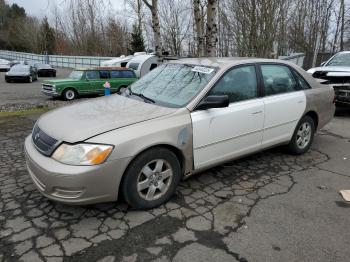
column 89, row 81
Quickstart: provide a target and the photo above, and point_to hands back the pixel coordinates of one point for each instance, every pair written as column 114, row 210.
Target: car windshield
column 340, row 60
column 173, row 85
column 20, row 69
column 76, row 74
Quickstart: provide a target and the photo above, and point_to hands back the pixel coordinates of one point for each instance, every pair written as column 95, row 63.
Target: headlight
column 82, row 154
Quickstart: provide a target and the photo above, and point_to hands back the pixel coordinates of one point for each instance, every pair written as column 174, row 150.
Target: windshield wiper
column 145, row 98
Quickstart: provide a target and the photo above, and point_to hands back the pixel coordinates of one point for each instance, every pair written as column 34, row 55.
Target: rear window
column 128, row 74
column 116, row 74
column 104, row 74
column 134, row 66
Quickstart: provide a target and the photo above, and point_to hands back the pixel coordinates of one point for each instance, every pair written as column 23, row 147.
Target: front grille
column 47, row 87
column 43, row 142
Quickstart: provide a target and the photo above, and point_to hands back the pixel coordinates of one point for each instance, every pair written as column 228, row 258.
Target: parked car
column 21, row 73
column 5, row 65
column 45, row 70
column 336, row 72
column 89, row 81
column 181, row 118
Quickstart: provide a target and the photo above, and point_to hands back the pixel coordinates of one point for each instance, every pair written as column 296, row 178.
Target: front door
column 221, row 134
column 95, row 83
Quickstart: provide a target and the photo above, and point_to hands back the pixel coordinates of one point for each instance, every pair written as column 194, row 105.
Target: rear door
column 223, row 133
column 284, row 103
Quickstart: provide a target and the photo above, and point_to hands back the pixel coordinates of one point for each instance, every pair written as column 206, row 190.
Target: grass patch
column 24, row 112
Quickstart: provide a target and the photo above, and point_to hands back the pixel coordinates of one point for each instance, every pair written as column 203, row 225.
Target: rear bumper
column 74, row 184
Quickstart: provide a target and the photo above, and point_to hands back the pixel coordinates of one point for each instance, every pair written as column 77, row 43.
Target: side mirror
column 213, row 102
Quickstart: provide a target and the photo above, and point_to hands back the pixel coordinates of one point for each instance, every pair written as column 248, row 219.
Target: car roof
column 225, row 62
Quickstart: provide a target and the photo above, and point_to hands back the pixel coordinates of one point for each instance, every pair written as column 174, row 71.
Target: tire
column 149, row 172
column 30, row 79
column 69, row 94
column 303, row 136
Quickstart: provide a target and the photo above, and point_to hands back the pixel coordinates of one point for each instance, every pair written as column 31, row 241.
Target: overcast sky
column 41, row 8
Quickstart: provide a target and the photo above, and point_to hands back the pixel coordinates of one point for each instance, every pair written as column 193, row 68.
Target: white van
column 142, row 64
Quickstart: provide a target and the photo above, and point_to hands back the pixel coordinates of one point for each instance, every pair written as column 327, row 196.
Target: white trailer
column 117, row 62
column 142, row 64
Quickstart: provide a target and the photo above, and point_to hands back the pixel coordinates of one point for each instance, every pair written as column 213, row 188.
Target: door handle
column 257, row 112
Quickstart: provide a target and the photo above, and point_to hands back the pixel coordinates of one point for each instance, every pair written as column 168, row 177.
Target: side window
column 116, row 74
column 134, row 66
column 278, row 79
column 152, row 67
column 302, row 84
column 104, row 74
column 239, row 84
column 92, row 75
column 128, row 74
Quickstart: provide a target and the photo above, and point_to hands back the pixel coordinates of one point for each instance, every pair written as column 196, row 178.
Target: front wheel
column 303, row 136
column 151, row 179
column 69, row 94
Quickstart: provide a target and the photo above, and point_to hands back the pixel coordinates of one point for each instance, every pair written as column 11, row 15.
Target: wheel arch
column 178, row 153
column 69, row 87
column 314, row 116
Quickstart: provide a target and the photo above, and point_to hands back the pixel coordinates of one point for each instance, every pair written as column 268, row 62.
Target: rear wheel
column 151, row 179
column 69, row 94
column 303, row 136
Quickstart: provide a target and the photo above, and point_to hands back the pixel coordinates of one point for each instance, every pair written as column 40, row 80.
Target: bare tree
column 155, row 24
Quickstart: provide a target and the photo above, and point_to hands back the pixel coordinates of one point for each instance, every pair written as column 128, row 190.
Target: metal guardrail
column 55, row 60
column 91, row 61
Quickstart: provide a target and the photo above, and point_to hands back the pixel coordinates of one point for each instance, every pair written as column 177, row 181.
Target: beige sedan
column 181, row 118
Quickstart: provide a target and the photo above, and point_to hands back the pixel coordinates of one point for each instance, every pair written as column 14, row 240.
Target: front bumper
column 17, row 78
column 49, row 90
column 74, row 184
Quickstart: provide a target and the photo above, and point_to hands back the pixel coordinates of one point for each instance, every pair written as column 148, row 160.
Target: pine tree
column 137, row 44
column 47, row 37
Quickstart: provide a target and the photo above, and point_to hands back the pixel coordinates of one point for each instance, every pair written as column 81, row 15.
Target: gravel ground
column 22, row 96
column 266, row 207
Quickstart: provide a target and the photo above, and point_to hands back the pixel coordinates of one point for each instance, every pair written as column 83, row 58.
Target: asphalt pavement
column 266, row 207
column 26, row 93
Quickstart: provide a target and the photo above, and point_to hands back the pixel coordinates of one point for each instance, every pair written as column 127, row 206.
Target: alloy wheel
column 154, row 180
column 304, row 135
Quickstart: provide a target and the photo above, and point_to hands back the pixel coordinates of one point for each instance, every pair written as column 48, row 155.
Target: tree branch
column 148, row 4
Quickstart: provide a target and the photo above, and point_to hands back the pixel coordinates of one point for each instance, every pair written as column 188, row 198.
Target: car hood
column 80, row 121
column 17, row 73
column 329, row 69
